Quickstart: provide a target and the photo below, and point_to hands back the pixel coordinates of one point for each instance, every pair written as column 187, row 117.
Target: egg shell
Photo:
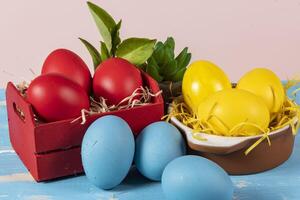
column 265, row 84
column 225, row 109
column 194, row 178
column 294, row 93
column 69, row 65
column 116, row 79
column 55, row 97
column 157, row 145
column 201, row 79
column 107, row 151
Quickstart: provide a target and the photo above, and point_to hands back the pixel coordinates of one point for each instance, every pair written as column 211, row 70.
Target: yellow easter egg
column 266, row 84
column 234, row 112
column 201, row 79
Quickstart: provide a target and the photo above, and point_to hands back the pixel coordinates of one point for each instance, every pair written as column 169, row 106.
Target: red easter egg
column 115, row 79
column 55, row 97
column 69, row 65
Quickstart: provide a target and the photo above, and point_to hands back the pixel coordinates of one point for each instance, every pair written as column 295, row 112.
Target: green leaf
column 181, row 57
column 93, row 52
column 167, row 66
column 151, row 69
column 170, row 43
column 136, row 50
column 168, row 56
column 170, row 69
column 158, row 46
column 104, row 51
column 105, row 23
column 152, row 61
column 158, row 53
column 179, row 75
column 116, row 40
column 186, row 61
column 181, row 67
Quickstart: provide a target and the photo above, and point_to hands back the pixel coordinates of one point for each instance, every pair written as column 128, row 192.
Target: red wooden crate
column 52, row 150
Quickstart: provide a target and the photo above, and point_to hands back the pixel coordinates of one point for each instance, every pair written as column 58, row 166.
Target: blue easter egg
column 294, row 93
column 193, row 178
column 107, row 151
column 157, row 145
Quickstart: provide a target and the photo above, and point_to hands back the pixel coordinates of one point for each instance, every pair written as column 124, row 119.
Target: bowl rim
column 224, row 144
column 219, row 143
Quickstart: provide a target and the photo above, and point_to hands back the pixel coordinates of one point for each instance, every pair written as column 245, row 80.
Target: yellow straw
column 288, row 115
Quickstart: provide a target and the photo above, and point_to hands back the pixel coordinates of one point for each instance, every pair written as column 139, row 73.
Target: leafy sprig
column 163, row 65
column 135, row 50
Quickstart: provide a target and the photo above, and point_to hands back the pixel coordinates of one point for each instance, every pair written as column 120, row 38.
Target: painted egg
column 55, row 97
column 157, row 145
column 234, row 112
column 201, row 79
column 107, row 151
column 69, row 65
column 193, row 178
column 266, row 84
column 294, row 93
column 116, row 79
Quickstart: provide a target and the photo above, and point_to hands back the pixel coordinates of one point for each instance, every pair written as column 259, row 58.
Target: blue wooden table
column 282, row 183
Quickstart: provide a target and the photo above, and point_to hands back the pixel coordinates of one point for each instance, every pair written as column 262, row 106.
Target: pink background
column 235, row 34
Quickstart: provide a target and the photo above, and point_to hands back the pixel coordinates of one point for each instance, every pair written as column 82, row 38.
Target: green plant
column 163, row 65
column 135, row 50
